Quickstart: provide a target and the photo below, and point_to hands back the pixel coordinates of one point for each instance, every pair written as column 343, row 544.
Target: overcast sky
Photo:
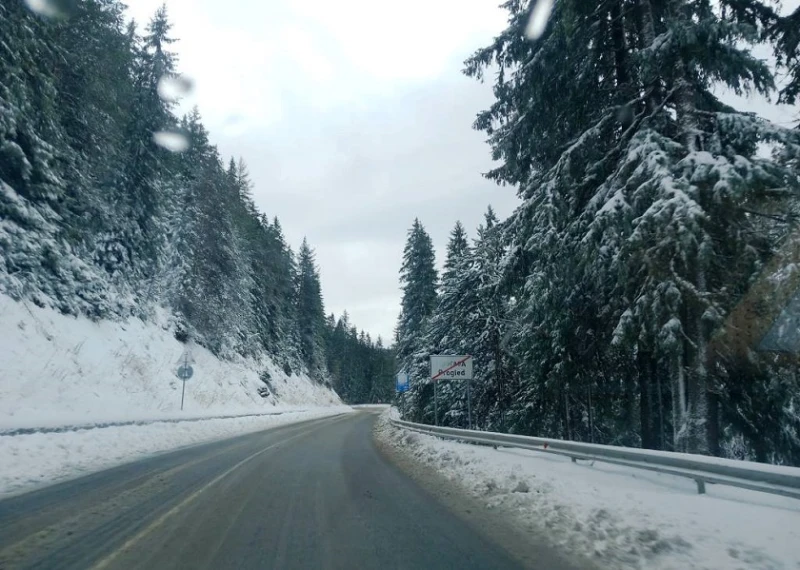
column 353, row 118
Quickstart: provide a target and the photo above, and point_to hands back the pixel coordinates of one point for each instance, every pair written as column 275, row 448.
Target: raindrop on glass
column 54, row 9
column 539, row 17
column 234, row 125
column 173, row 141
column 174, row 87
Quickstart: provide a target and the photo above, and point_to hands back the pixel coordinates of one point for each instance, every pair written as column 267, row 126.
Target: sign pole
column 184, row 373
column 435, row 405
column 469, row 402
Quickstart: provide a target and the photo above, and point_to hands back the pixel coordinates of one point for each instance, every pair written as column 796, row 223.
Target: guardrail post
column 701, row 486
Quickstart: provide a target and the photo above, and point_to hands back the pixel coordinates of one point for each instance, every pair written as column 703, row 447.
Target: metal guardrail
column 783, row 481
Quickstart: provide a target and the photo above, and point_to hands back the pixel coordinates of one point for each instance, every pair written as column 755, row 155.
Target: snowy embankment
column 58, row 371
column 622, row 518
column 29, row 461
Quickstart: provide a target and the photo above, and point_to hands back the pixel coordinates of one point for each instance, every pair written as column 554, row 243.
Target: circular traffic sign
column 185, row 372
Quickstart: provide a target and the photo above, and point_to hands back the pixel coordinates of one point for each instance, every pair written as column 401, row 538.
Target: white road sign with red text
column 450, row 367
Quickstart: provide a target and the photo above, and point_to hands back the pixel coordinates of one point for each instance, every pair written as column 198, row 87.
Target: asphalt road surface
column 310, row 495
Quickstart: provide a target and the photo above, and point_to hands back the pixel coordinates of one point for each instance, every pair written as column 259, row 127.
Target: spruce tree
column 310, row 310
column 642, row 222
column 418, row 278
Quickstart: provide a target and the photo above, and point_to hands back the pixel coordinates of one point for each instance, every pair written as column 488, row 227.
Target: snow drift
column 62, row 370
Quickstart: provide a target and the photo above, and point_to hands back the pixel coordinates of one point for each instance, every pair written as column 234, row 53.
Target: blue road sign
column 185, row 372
column 403, row 381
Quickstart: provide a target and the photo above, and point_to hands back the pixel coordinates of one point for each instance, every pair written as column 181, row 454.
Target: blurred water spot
column 234, row 125
column 173, row 87
column 51, row 8
column 173, row 141
column 539, row 17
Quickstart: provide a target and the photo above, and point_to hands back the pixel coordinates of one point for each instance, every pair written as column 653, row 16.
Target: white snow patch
column 624, row 518
column 30, row 461
column 60, row 370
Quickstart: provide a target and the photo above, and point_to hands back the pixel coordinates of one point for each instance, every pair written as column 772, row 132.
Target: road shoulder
column 520, row 541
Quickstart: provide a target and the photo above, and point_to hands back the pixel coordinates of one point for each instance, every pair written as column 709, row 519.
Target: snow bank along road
column 315, row 494
column 616, row 516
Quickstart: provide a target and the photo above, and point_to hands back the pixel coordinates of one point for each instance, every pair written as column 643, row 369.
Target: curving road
column 310, row 495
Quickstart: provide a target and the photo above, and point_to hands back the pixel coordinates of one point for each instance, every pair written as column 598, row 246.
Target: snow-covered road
column 623, row 518
column 31, row 460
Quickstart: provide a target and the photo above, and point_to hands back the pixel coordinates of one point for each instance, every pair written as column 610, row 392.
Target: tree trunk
column 647, row 32
column 645, row 406
column 712, row 424
column 678, row 384
column 567, row 431
column 697, row 388
column 591, row 415
column 662, row 434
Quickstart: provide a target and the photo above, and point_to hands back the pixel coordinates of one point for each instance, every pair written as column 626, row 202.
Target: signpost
column 402, row 383
column 458, row 367
column 185, row 371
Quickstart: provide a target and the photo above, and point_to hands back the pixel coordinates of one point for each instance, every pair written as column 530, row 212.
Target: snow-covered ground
column 60, row 370
column 57, row 370
column 33, row 460
column 623, row 518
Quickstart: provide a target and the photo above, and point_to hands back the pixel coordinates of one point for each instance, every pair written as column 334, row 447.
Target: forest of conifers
column 112, row 206
column 598, row 311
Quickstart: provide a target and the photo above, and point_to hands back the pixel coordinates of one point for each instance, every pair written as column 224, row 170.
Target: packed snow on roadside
column 622, row 518
column 29, row 461
column 58, row 370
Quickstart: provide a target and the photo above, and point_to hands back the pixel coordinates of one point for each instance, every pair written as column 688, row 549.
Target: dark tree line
column 363, row 370
column 598, row 310
column 111, row 205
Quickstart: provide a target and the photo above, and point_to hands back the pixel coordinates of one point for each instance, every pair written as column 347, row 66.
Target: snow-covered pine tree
column 145, row 179
column 443, row 333
column 99, row 220
column 310, row 310
column 643, row 196
column 785, row 31
column 419, row 280
column 43, row 180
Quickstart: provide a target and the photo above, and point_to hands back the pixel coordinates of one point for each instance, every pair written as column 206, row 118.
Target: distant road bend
column 314, row 495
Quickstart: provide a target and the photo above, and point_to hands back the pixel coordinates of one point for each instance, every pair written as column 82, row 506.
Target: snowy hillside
column 62, row 370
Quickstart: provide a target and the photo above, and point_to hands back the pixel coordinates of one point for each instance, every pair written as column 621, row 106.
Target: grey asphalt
column 311, row 495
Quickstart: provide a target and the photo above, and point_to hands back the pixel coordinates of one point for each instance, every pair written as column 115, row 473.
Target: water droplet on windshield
column 174, row 87
column 234, row 125
column 173, row 141
column 51, row 8
column 539, row 17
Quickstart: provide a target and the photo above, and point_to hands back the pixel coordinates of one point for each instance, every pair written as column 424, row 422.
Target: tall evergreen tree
column 418, row 278
column 100, row 220
column 310, row 310
column 786, row 32
column 647, row 212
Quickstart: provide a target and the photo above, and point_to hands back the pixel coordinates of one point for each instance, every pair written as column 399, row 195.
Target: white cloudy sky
column 354, row 118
